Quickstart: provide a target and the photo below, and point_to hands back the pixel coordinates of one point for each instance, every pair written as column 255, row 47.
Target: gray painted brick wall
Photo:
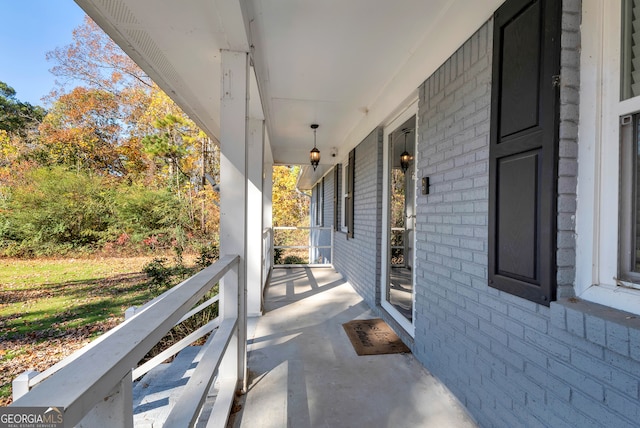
column 358, row 258
column 510, row 361
column 365, row 275
column 568, row 150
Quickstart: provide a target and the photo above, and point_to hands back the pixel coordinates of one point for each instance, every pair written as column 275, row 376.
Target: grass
column 50, row 308
column 43, row 298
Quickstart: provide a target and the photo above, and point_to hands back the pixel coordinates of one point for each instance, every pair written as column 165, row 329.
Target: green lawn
column 49, row 308
column 44, row 298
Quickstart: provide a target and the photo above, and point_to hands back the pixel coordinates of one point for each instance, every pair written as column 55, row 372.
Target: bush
column 143, row 211
column 54, row 210
column 277, row 256
column 294, row 260
column 159, row 275
column 207, row 254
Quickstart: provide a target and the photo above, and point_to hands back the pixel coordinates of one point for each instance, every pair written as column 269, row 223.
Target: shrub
column 146, row 212
column 277, row 256
column 158, row 273
column 294, row 260
column 53, row 210
column 207, row 254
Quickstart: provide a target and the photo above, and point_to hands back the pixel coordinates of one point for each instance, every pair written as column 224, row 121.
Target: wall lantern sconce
column 405, row 157
column 314, row 155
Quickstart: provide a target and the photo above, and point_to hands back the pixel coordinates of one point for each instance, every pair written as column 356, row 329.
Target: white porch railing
column 398, row 234
column 318, row 250
column 93, row 387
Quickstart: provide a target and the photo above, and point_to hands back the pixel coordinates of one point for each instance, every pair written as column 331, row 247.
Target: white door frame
column 392, row 125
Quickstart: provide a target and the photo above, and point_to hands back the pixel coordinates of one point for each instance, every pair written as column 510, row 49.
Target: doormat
column 373, row 337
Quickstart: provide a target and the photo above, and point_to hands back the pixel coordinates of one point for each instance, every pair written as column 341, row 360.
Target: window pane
column 630, row 67
column 629, row 257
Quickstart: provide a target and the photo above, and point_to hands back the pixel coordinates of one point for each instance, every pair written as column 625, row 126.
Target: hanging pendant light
column 314, row 155
column 405, row 157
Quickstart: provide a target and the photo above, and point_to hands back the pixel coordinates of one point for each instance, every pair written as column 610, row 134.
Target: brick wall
column 568, row 151
column 455, row 337
column 358, row 258
column 510, row 361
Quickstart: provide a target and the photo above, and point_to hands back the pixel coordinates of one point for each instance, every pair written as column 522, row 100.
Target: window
column 607, row 220
column 629, row 228
column 629, row 258
column 348, row 179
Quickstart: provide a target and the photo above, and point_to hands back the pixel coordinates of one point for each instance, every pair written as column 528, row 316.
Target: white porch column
column 233, row 194
column 254, row 217
column 267, row 187
column 267, row 203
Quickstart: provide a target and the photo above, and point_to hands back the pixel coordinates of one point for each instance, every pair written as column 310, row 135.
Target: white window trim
column 598, row 158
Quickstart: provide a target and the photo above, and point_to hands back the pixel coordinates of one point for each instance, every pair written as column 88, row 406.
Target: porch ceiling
column 346, row 65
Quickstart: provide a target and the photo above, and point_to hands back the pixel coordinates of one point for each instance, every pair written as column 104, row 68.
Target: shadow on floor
column 304, row 371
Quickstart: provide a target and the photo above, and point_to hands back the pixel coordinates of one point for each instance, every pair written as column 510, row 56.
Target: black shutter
column 336, row 197
column 350, row 193
column 523, row 151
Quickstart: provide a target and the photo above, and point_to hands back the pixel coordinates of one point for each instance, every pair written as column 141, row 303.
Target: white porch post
column 267, row 199
column 254, row 217
column 115, row 410
column 233, row 197
column 267, row 186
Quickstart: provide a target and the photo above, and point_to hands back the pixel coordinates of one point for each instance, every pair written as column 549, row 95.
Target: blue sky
column 30, row 29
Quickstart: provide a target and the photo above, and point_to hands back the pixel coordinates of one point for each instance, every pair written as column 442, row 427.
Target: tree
column 82, row 130
column 17, row 116
column 150, row 132
column 96, row 61
column 108, row 126
column 290, row 207
column 18, row 127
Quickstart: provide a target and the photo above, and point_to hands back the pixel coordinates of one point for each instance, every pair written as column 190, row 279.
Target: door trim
column 397, row 121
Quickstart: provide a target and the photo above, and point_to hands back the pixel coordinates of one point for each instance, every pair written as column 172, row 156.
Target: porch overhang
column 348, row 66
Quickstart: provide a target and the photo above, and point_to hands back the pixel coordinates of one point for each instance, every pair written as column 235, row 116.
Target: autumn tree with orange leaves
column 109, row 121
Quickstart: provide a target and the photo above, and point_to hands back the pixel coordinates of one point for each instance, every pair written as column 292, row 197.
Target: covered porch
column 384, row 80
column 304, row 372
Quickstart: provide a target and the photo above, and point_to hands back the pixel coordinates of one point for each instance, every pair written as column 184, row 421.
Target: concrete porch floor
column 304, row 372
